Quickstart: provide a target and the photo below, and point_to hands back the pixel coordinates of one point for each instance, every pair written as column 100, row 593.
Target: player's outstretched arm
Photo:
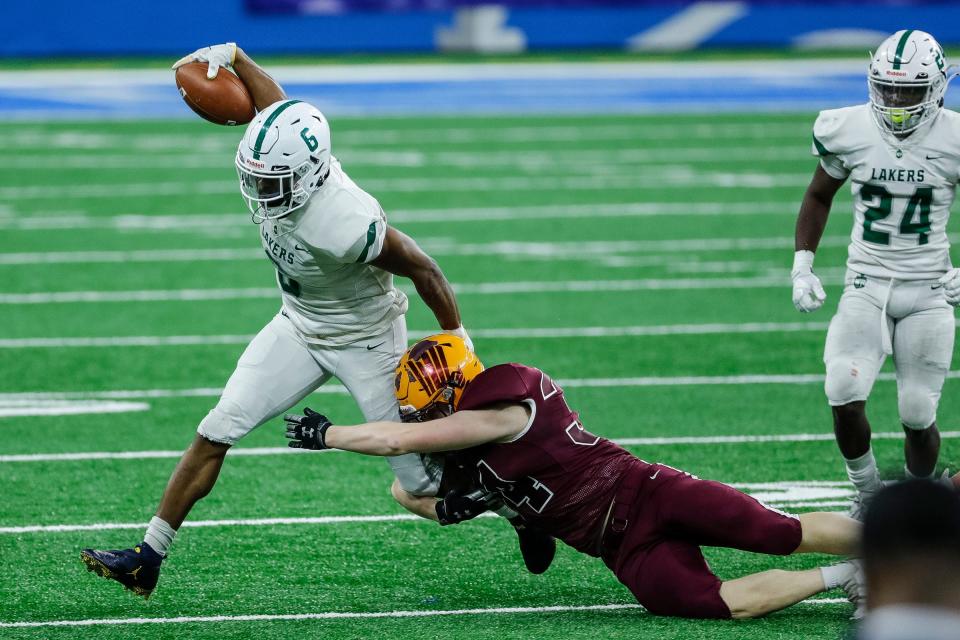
column 262, row 86
column 264, row 89
column 461, row 430
column 401, row 256
column 808, row 293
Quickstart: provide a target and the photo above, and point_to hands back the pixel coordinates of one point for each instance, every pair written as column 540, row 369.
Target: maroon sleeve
column 501, row 383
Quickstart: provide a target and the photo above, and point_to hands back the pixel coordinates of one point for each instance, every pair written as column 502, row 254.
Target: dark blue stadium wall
column 167, row 27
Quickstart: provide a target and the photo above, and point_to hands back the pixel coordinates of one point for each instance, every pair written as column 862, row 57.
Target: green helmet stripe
column 900, row 47
column 266, row 126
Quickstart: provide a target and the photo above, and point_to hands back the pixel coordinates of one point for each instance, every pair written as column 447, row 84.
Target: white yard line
column 14, row 408
column 796, row 493
column 651, row 381
column 451, row 72
column 145, row 255
column 439, row 132
column 747, row 439
column 531, row 160
column 476, row 288
column 507, row 334
column 144, row 455
column 352, row 615
column 189, row 223
column 329, row 615
column 248, row 522
column 589, row 250
column 282, row 451
column 677, row 177
column 155, row 295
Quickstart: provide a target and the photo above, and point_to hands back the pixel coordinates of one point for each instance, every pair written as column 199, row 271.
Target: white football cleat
column 859, row 504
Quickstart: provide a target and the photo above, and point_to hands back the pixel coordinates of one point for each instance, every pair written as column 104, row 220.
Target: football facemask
column 272, row 194
column 907, row 78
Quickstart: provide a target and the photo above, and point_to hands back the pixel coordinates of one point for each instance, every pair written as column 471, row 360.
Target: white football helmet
column 907, row 77
column 284, row 156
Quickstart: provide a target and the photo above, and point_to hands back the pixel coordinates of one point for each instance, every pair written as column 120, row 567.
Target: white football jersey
column 902, row 190
column 322, row 253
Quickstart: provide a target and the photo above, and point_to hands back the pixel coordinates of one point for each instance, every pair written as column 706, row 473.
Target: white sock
column 836, row 574
column 863, row 473
column 159, row 535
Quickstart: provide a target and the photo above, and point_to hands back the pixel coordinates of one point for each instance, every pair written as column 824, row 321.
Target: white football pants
column 876, row 317
column 278, row 369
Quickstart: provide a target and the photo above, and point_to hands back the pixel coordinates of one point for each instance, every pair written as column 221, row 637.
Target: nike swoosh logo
column 369, row 348
column 936, row 286
column 934, row 157
column 299, row 248
column 654, row 476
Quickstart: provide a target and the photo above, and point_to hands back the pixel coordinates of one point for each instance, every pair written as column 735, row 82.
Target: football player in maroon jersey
column 510, row 426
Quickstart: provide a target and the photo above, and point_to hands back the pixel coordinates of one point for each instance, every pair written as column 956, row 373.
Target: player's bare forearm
column 401, row 256
column 262, row 87
column 423, row 506
column 435, row 291
column 371, row 438
column 461, row 430
column 815, row 209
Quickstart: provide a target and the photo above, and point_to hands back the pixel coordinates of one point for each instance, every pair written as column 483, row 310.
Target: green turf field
column 642, row 262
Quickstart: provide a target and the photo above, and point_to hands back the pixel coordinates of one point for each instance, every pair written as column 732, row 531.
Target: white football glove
column 951, row 286
column 219, row 55
column 461, row 333
column 808, row 293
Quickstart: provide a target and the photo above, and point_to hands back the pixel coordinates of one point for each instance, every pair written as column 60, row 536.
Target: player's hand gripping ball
column 220, row 97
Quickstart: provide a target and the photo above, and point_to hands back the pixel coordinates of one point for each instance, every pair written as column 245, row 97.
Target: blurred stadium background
column 612, row 188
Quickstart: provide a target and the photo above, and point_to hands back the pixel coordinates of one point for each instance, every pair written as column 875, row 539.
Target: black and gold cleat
column 137, row 569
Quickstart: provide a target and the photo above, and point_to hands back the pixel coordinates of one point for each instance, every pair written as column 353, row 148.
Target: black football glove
column 308, row 431
column 457, row 507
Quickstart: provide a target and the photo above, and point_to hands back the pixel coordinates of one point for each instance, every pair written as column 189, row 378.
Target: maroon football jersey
column 556, row 475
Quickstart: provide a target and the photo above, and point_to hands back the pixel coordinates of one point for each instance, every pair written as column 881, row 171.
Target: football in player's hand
column 223, row 100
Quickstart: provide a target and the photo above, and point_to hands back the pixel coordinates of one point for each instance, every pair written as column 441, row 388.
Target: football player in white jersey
column 901, row 153
column 341, row 315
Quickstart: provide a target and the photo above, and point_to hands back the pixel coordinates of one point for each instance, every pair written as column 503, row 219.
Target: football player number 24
column 916, row 215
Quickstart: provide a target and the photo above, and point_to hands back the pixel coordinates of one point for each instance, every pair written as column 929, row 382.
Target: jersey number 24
column 879, row 202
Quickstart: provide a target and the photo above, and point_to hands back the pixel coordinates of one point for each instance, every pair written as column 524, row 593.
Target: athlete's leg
column 715, row 514
column 192, row 479
column 923, row 349
column 921, row 449
column 762, row 593
column 829, row 532
column 672, row 578
column 853, row 355
column 275, row 372
column 367, row 370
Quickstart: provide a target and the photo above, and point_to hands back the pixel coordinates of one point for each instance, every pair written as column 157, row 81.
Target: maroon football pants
column 673, row 513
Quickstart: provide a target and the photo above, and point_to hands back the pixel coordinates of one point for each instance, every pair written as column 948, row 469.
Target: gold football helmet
column 431, row 377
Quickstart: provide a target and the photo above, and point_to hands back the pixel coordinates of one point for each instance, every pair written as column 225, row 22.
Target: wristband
column 802, row 262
